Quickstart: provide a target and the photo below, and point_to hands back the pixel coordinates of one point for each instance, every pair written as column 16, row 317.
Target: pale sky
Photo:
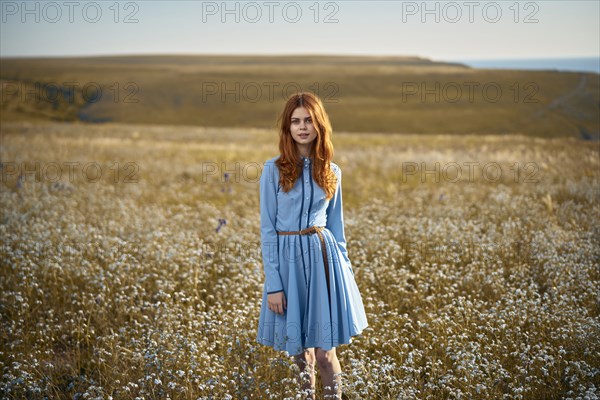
column 464, row 29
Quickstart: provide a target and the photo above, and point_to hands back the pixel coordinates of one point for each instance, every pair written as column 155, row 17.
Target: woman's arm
column 268, row 234
column 335, row 217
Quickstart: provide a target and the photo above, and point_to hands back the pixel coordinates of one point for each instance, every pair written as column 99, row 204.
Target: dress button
column 307, row 198
column 306, row 181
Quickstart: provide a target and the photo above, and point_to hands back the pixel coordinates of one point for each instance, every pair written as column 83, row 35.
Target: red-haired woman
column 311, row 303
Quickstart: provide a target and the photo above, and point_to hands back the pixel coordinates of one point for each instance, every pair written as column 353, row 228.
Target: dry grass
column 474, row 289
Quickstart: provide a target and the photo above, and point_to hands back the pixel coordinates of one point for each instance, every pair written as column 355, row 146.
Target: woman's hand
column 277, row 302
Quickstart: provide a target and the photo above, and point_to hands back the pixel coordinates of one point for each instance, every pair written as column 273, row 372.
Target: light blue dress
column 294, row 264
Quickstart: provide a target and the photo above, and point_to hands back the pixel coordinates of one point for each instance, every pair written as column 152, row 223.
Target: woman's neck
column 304, row 151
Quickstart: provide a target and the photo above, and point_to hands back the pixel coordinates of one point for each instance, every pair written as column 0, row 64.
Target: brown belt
column 309, row 231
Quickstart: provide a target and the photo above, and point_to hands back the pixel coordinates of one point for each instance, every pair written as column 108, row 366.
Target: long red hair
column 290, row 161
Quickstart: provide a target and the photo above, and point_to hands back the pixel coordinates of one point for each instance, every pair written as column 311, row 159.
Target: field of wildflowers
column 131, row 265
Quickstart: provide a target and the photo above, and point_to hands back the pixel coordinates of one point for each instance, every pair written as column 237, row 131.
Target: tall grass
column 475, row 288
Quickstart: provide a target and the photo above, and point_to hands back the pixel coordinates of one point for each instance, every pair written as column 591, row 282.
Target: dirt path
column 579, row 89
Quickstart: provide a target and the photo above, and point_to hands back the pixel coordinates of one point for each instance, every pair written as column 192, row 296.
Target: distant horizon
column 564, row 63
column 258, row 54
column 301, row 54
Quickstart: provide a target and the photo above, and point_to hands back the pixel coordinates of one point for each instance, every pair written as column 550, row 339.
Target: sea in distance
column 575, row 64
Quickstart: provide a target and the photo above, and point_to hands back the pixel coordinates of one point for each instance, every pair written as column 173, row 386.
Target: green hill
column 362, row 94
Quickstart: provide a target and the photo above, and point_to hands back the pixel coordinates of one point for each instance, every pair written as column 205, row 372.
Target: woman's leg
column 306, row 363
column 330, row 371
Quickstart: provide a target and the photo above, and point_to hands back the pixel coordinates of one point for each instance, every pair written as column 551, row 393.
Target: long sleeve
column 268, row 234
column 335, row 218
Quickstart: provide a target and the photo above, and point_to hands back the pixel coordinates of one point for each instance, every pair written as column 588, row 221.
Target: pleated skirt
column 312, row 318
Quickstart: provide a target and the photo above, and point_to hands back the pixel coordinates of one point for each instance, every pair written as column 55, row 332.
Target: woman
column 310, row 302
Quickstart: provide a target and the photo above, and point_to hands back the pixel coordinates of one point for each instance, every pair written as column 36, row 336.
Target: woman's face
column 302, row 129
